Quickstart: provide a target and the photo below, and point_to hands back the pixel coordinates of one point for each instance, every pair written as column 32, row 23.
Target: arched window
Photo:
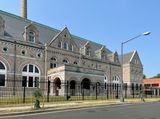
column 53, row 63
column 88, row 51
column 116, row 82
column 71, row 47
column 53, row 59
column 60, row 44
column 3, row 72
column 75, row 62
column 30, row 76
column 65, row 46
column 65, row 61
column 103, row 57
column 32, row 36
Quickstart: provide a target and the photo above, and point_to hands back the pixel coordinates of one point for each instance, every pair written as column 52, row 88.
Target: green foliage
column 157, row 76
column 37, row 95
column 144, row 76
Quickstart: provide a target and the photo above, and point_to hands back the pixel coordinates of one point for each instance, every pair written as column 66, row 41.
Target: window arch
column 3, row 72
column 32, row 36
column 30, row 76
column 65, row 61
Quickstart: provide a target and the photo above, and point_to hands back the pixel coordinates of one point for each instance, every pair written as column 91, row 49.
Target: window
column 71, row 47
column 53, row 59
column 3, row 72
column 53, row 63
column 60, row 44
column 65, row 45
column 23, row 52
column 30, row 76
column 103, row 55
column 88, row 51
column 75, row 62
column 32, row 36
column 30, row 68
column 5, row 49
column 65, row 61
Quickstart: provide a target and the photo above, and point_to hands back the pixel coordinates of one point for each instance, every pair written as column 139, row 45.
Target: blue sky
column 108, row 22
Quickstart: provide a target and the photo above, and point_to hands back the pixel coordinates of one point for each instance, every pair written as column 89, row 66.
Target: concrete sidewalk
column 4, row 111
column 56, row 106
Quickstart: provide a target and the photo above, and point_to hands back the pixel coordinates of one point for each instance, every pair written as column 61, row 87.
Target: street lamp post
column 143, row 34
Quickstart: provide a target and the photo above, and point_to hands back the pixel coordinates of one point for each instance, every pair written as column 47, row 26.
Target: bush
column 37, row 94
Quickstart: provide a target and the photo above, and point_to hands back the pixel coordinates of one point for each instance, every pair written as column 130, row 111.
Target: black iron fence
column 22, row 91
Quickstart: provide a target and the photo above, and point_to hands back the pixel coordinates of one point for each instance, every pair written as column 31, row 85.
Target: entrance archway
column 85, row 87
column 85, row 84
column 57, row 86
column 72, row 87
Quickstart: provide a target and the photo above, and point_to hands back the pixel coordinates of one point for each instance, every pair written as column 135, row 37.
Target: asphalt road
column 134, row 111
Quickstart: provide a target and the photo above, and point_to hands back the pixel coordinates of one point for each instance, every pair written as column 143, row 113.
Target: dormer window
column 88, row 51
column 103, row 56
column 32, row 36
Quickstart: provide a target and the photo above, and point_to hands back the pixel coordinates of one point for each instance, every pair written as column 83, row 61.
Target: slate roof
column 126, row 57
column 15, row 25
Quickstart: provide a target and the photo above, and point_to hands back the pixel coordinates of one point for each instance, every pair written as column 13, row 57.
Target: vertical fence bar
column 48, row 90
column 107, row 91
column 96, row 91
column 24, row 94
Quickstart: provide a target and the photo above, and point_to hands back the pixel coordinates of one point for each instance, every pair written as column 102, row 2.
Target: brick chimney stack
column 24, row 8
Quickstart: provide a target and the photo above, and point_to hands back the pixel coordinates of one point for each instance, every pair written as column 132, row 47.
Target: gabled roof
column 126, row 57
column 46, row 33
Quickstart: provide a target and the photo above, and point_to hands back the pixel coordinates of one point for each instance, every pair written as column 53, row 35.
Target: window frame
column 33, row 74
column 3, row 72
column 31, row 36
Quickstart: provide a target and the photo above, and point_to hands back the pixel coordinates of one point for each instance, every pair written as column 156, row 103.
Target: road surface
column 124, row 111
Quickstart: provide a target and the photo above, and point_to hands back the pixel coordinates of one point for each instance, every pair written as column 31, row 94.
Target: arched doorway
column 85, row 86
column 72, row 88
column 57, row 86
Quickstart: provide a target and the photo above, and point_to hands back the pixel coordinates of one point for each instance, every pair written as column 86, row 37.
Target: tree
column 157, row 76
column 144, row 76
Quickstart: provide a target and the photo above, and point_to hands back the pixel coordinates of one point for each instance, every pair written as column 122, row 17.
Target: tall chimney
column 24, row 8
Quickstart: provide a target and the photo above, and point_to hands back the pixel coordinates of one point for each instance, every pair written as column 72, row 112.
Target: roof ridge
column 46, row 26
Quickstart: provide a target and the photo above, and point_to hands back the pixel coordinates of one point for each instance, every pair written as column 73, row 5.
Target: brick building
column 31, row 52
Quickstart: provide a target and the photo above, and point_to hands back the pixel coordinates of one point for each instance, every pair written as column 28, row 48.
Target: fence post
column 96, row 91
column 82, row 92
column 133, row 90
column 67, row 96
column 48, row 90
column 117, row 91
column 24, row 94
column 107, row 91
